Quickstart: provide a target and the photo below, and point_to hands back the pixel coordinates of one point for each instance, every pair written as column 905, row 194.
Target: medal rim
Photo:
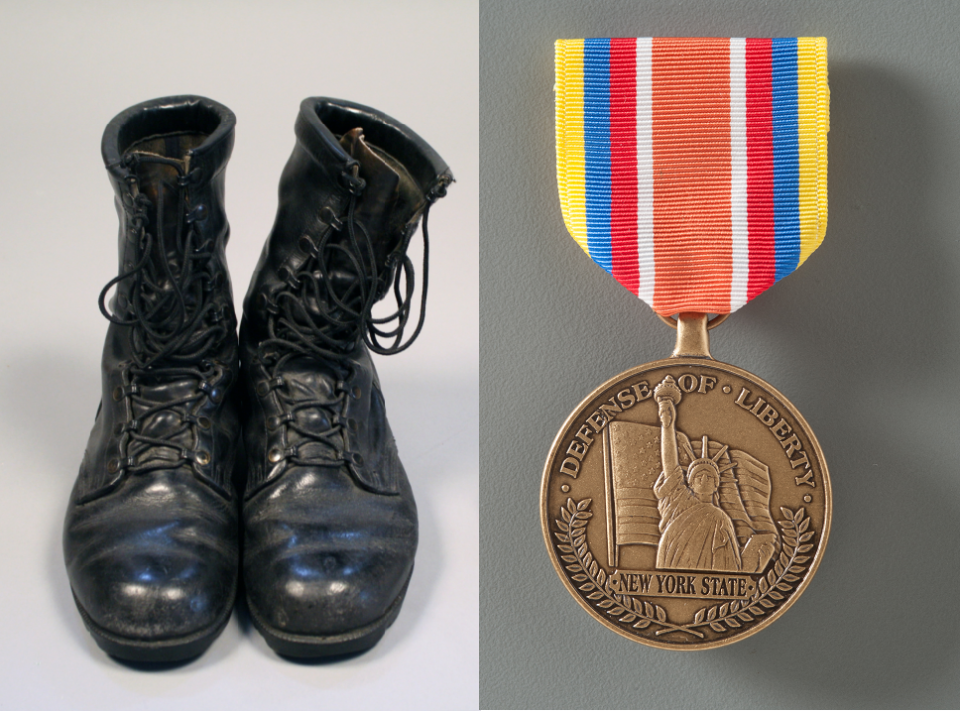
column 814, row 445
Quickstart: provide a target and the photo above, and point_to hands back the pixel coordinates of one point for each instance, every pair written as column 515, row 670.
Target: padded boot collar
column 322, row 120
column 173, row 114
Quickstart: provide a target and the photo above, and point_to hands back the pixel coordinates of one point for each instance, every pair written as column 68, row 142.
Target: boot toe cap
column 323, row 557
column 146, row 568
column 168, row 597
column 328, row 593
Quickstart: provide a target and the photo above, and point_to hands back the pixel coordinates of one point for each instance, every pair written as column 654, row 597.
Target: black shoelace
column 340, row 318
column 175, row 324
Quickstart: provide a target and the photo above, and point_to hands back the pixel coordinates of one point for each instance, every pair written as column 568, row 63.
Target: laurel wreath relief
column 593, row 580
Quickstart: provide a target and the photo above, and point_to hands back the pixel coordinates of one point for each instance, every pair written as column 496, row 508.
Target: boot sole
column 303, row 646
column 175, row 649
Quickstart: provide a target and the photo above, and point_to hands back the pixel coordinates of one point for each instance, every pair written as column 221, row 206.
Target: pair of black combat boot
column 271, row 454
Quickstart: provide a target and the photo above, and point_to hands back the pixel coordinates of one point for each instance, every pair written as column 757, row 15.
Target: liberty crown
column 705, row 461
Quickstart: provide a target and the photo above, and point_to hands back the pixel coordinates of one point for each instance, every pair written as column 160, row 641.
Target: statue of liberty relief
column 698, row 510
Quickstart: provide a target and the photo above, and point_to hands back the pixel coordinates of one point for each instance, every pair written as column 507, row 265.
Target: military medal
column 686, row 503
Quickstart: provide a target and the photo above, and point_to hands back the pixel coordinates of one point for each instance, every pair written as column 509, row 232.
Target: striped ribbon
column 694, row 170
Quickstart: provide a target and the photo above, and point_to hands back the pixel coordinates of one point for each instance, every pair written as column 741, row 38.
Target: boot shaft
column 351, row 197
column 170, row 356
column 166, row 161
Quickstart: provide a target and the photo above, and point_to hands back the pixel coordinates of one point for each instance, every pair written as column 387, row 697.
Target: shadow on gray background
column 875, row 338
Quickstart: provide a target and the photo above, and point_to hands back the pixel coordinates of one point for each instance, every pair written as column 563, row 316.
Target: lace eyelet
column 307, row 245
column 122, row 427
column 352, row 180
column 198, row 214
column 265, row 386
column 286, row 275
column 113, row 466
column 121, row 392
column 329, row 217
column 214, row 393
column 356, row 458
column 202, row 458
column 203, row 423
column 277, row 421
column 275, row 455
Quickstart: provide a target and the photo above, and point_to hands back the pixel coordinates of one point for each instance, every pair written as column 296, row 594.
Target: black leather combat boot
column 329, row 517
column 151, row 533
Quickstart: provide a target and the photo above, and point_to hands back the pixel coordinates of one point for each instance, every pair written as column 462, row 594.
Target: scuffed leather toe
column 324, row 557
column 155, row 560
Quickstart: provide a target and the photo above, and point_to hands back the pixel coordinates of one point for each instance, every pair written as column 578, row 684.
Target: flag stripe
column 596, row 127
column 809, row 53
column 786, row 159
column 740, row 236
column 760, row 173
column 571, row 163
column 646, row 265
column 623, row 161
column 691, row 164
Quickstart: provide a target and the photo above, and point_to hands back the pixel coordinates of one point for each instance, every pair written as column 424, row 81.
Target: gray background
column 863, row 338
column 66, row 68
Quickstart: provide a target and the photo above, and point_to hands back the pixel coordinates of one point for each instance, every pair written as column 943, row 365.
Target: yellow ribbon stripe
column 571, row 163
column 813, row 109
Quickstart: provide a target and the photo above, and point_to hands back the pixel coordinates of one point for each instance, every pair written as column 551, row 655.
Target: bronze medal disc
column 685, row 504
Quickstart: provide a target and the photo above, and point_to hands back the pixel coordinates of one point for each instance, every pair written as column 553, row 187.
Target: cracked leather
column 151, row 533
column 329, row 517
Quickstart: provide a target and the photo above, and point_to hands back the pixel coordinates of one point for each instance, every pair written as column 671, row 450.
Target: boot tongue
column 379, row 196
column 158, row 162
column 390, row 199
column 161, row 184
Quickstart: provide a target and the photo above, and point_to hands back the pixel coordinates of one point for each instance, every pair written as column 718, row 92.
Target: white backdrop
column 65, row 70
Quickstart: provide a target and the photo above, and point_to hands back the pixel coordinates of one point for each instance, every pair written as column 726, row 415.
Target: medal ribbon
column 694, row 170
